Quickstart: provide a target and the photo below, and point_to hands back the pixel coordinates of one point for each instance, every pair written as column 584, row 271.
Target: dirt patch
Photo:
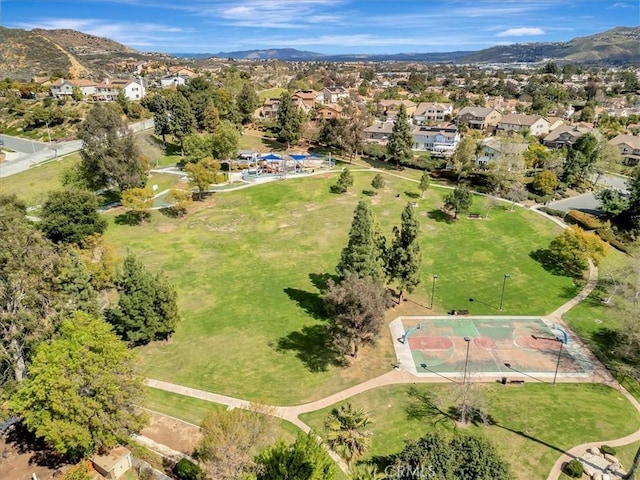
column 21, row 456
column 173, row 433
column 167, row 227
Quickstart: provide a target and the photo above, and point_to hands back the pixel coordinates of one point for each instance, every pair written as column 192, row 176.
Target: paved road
column 22, row 145
column 588, row 202
column 49, row 151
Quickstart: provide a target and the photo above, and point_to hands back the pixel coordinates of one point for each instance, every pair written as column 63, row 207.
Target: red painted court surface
column 528, row 345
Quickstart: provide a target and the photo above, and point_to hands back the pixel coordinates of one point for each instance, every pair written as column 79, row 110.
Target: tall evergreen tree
column 289, row 120
column 71, row 215
column 304, row 459
column 161, row 118
column 424, row 182
column 401, row 139
column 183, row 121
column 147, row 308
column 365, row 251
column 110, row 156
column 405, row 256
column 247, row 101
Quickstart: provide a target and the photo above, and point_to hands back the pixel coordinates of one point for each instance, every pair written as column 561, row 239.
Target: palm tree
column 346, row 433
column 366, row 471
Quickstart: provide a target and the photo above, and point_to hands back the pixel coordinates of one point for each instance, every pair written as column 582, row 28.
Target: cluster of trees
column 357, row 302
column 66, row 310
column 623, row 210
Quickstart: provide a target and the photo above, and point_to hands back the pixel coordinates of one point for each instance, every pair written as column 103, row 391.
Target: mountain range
column 25, row 53
column 620, row 45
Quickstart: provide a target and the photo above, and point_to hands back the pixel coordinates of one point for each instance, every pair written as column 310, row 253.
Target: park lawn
column 533, row 423
column 260, row 144
column 194, row 410
column 33, row 184
column 271, row 93
column 165, row 181
column 247, row 271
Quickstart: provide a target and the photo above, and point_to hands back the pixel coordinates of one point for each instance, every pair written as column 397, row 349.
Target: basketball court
column 489, row 345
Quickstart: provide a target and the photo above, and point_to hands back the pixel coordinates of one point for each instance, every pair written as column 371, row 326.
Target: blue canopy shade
column 271, row 156
column 298, row 157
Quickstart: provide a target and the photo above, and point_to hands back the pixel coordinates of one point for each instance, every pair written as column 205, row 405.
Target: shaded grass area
column 33, row 184
column 194, row 410
column 271, row 93
column 597, row 323
column 259, row 144
column 532, row 424
column 244, row 269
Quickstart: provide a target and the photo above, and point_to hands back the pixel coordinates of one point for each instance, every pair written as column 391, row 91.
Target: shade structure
column 298, row 157
column 271, row 156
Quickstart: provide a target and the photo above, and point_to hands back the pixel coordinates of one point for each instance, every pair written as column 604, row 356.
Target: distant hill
column 25, row 53
column 270, row 54
column 620, row 45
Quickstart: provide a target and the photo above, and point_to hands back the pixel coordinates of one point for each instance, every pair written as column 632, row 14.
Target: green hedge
column 553, row 212
column 585, row 220
column 574, row 469
column 606, row 449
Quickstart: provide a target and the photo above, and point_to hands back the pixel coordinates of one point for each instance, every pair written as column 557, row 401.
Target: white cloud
column 521, row 32
column 619, row 5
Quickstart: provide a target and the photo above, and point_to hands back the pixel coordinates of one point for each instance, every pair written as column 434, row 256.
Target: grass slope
column 533, row 423
column 248, row 268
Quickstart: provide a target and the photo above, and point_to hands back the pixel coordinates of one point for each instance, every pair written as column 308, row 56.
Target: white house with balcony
column 432, row 112
column 440, row 141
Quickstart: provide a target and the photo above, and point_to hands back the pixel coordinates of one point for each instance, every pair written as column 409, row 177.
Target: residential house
column 479, row 118
column 440, row 141
column 565, row 135
column 379, row 132
column 427, row 112
column 182, row 72
column 334, row 94
column 629, row 146
column 43, row 81
column 555, row 122
column 114, row 464
column 270, row 108
column 496, row 149
column 305, row 100
column 108, row 90
column 61, row 88
column 331, row 111
column 173, row 80
column 518, row 122
column 390, row 108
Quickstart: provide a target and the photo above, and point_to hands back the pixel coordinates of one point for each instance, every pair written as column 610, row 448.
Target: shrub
column 187, row 470
column 574, row 469
column 553, row 212
column 606, row 449
column 585, row 220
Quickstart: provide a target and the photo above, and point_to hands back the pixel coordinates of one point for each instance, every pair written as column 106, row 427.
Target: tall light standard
column 433, row 289
column 504, row 284
column 466, row 360
column 555, row 375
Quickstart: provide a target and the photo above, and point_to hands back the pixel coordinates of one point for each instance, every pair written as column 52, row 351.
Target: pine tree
column 147, row 309
column 401, row 139
column 405, row 256
column 183, row 121
column 289, row 120
column 161, row 119
column 247, row 101
column 345, row 181
column 364, row 253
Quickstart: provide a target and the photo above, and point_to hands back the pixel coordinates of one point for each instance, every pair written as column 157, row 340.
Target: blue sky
column 326, row 26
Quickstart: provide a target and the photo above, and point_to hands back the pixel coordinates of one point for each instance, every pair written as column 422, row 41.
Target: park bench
column 516, row 382
column 459, row 312
column 474, row 215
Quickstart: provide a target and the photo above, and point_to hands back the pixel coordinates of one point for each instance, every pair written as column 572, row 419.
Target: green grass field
column 271, row 93
column 533, row 424
column 33, row 184
column 247, row 272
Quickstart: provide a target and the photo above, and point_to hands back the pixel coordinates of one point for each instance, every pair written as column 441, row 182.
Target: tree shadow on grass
column 440, row 216
column 310, row 302
column 412, row 194
column 321, row 280
column 544, row 257
column 128, row 218
column 313, row 346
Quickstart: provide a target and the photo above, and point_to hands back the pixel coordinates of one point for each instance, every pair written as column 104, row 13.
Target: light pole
column 504, row 284
column 555, row 375
column 466, row 360
column 433, row 289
